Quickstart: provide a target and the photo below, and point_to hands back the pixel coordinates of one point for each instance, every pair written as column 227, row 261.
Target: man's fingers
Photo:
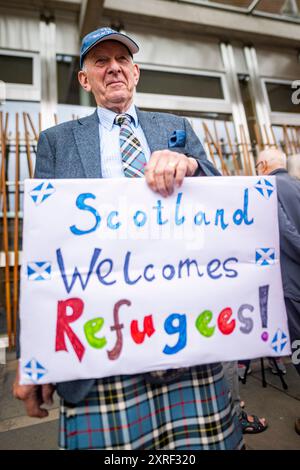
column 164, row 176
column 169, row 175
column 150, row 171
column 167, row 169
column 181, row 172
column 33, row 397
column 150, row 178
column 47, row 394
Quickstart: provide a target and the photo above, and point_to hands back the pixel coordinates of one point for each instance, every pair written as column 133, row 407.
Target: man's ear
column 265, row 167
column 83, row 80
column 136, row 74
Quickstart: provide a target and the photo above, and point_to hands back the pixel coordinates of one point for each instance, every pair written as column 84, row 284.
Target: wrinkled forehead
column 109, row 48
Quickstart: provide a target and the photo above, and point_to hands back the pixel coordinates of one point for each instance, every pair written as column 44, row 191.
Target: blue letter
column 188, row 263
column 146, row 273
column 171, row 329
column 76, row 273
column 233, row 271
column 102, row 277
column 142, row 221
column 211, row 269
column 81, row 205
column 178, row 202
column 172, row 272
column 126, row 270
column 242, row 215
column 220, row 216
column 110, row 224
column 159, row 207
column 202, row 216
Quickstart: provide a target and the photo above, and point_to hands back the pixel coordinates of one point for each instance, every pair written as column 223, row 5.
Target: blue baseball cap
column 105, row 34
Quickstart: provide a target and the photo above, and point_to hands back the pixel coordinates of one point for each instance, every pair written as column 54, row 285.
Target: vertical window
column 69, row 90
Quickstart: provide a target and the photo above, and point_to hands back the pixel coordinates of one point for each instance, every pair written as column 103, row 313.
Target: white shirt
column 109, row 133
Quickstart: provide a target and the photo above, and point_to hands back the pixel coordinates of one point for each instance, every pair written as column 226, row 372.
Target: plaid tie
column 133, row 157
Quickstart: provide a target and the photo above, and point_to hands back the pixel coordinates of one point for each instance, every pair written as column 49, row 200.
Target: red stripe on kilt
column 133, row 423
column 89, row 429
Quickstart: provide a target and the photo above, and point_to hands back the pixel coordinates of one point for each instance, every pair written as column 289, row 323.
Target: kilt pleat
column 126, row 412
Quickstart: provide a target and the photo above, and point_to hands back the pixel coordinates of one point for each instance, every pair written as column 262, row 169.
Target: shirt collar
column 107, row 117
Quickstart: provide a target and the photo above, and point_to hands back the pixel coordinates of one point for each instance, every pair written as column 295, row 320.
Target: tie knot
column 122, row 119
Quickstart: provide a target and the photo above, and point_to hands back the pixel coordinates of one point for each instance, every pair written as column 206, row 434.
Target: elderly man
column 181, row 409
column 273, row 162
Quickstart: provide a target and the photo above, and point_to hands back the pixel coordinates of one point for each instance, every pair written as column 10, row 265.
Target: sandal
column 251, row 427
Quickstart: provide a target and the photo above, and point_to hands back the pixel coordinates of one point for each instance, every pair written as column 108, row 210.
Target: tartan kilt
column 126, row 412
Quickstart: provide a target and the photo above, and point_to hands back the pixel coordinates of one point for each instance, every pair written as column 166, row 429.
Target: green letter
column 92, row 327
column 202, row 323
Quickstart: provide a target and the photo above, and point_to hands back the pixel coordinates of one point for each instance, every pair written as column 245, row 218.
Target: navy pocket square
column 177, row 139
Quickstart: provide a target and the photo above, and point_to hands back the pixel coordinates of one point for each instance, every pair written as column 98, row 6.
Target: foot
column 280, row 365
column 251, row 424
column 242, row 371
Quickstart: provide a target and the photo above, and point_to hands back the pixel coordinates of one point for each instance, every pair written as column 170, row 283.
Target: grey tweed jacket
column 72, row 150
column 288, row 191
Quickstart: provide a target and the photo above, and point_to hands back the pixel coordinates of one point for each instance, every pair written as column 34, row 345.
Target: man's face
column 110, row 74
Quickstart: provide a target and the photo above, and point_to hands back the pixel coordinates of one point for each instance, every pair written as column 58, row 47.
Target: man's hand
column 34, row 396
column 167, row 169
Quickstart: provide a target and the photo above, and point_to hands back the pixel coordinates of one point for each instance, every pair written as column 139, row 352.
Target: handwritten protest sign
column 118, row 280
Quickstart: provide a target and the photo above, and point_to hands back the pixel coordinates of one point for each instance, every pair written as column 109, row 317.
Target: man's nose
column 114, row 66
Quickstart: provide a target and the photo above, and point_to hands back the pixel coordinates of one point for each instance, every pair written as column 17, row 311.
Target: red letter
column 116, row 351
column 62, row 326
column 224, row 325
column 139, row 336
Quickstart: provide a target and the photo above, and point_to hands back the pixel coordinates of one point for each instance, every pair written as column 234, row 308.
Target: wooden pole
column 16, row 233
column 5, row 234
column 211, row 153
column 32, row 127
column 297, row 129
column 293, row 142
column 258, row 137
column 234, row 156
column 297, row 143
column 219, row 150
column 248, row 171
column 29, row 162
column 267, row 136
column 273, row 136
column 287, row 140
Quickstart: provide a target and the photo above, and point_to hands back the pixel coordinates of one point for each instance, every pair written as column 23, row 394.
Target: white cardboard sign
column 118, row 280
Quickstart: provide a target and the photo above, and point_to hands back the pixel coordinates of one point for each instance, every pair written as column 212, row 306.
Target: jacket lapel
column 155, row 132
column 86, row 134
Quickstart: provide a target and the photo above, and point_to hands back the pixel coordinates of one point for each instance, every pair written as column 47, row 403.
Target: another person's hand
column 166, row 170
column 34, row 396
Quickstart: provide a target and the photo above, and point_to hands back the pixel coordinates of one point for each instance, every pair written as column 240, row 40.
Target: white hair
column 275, row 158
